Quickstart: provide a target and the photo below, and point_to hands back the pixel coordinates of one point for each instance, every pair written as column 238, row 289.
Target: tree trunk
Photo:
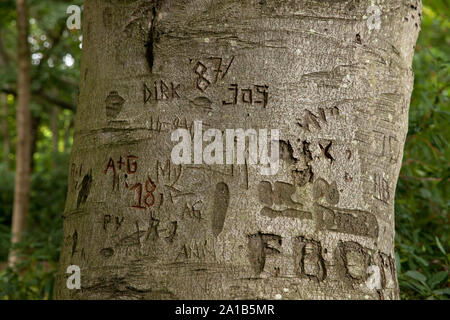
column 4, row 107
column 54, row 128
column 5, row 133
column 35, row 123
column 23, row 150
column 334, row 82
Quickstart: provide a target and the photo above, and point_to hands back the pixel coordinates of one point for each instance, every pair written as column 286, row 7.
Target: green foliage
column 422, row 202
column 32, row 279
column 40, row 246
column 6, row 206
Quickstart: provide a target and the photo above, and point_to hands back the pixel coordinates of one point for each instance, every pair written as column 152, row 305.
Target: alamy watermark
column 73, row 22
column 374, row 17
column 189, row 150
column 74, row 280
column 373, row 282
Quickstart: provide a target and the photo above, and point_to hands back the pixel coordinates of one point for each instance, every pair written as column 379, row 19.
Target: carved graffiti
column 322, row 189
column 159, row 230
column 308, row 259
column 259, row 246
column 280, row 196
column 311, row 120
column 131, row 165
column 144, row 191
column 354, row 259
column 221, row 202
column 196, row 250
column 258, row 95
column 357, row 265
column 161, row 91
column 114, row 104
column 355, row 222
column 208, row 71
column 144, row 194
column 116, row 221
column 381, row 189
column 85, row 189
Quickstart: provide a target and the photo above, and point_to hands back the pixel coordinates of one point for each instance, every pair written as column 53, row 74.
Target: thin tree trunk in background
column 4, row 109
column 23, row 150
column 335, row 83
column 5, row 133
column 35, row 123
column 54, row 128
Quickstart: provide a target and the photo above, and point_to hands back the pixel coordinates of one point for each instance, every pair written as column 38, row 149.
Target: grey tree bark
column 334, row 82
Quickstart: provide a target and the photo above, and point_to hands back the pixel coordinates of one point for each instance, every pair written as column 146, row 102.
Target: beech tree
column 333, row 77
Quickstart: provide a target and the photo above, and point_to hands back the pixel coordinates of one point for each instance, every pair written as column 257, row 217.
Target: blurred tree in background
column 422, row 201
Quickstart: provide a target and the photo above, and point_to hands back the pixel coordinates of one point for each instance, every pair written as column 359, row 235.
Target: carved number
column 149, row 189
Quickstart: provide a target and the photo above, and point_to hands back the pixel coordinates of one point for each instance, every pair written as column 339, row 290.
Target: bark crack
column 153, row 36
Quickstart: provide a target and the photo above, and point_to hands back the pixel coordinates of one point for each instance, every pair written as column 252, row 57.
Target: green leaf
column 440, row 246
column 442, row 291
column 398, row 264
column 421, row 260
column 437, row 278
column 416, row 286
column 416, row 275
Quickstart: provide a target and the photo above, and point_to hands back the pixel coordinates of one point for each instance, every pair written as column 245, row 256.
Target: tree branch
column 45, row 97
